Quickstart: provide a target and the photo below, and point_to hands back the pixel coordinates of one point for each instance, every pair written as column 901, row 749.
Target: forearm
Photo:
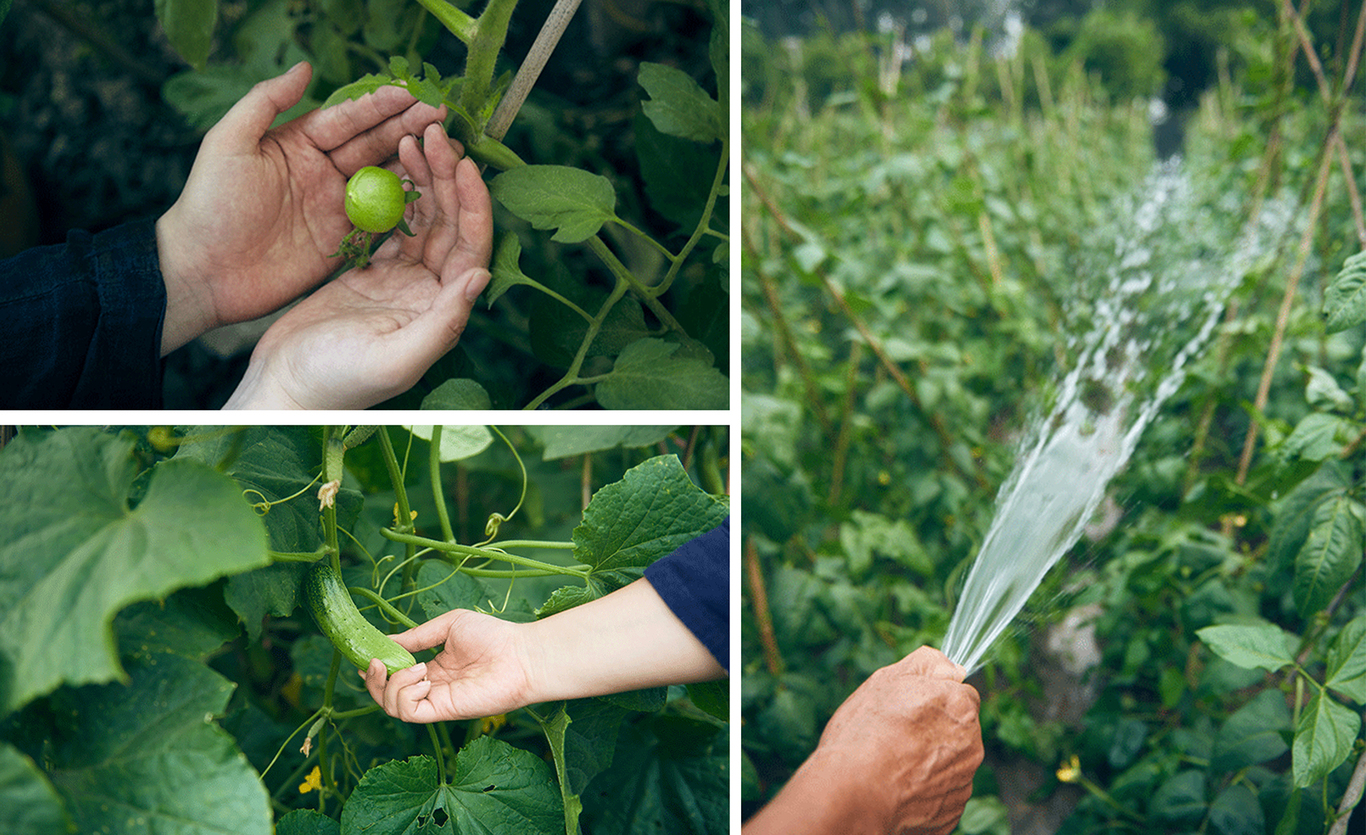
column 626, row 640
column 188, row 312
column 817, row 801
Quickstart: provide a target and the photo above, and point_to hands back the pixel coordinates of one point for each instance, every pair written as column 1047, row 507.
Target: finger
column 398, row 681
column 444, row 209
column 475, row 222
column 375, row 677
column 930, row 662
column 377, row 143
column 427, row 634
column 412, row 703
column 241, row 128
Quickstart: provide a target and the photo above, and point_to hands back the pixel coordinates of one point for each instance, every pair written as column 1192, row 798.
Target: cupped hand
column 480, row 671
column 371, row 333
column 262, row 210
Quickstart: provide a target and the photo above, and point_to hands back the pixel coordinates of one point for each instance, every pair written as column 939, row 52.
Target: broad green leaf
column 1324, row 394
column 573, row 201
column 1236, row 812
column 678, row 106
column 718, row 50
column 457, row 394
column 1330, row 554
column 1253, row 734
column 591, row 739
column 1260, row 645
column 1181, row 798
column 1318, row 437
column 648, row 514
column 557, row 335
column 146, row 757
column 492, row 787
column 676, row 772
column 648, row 375
column 307, row 822
column 365, row 84
column 985, row 816
column 444, row 589
column 866, row 535
column 712, row 697
column 75, row 553
column 188, row 25
column 191, row 623
column 672, row 170
column 1344, row 302
column 1323, row 739
column 32, row 806
column 457, row 442
column 1346, row 671
column 1295, row 512
column 565, row 441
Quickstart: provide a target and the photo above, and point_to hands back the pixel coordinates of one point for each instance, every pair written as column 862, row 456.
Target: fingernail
column 475, row 284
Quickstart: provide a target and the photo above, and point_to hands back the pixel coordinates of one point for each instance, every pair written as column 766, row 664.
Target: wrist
column 189, row 305
column 257, row 390
column 821, row 798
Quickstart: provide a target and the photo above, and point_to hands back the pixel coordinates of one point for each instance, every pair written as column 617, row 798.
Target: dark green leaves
column 1323, row 739
column 31, row 805
column 570, row 200
column 654, row 374
column 679, row 106
column 1261, row 645
column 493, row 787
column 189, row 27
column 1344, row 302
column 145, row 756
column 76, row 553
column 1346, row 671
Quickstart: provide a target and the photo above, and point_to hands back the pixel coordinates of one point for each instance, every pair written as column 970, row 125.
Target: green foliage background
column 157, row 671
column 920, row 243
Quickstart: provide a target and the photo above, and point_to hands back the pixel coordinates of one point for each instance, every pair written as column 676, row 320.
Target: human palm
column 372, row 332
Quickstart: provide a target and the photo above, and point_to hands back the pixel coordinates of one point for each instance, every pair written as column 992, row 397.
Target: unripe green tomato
column 375, row 199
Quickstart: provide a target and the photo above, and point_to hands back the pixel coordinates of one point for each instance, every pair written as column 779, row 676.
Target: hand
column 897, row 757
column 627, row 640
column 479, row 672
column 263, row 209
column 371, row 333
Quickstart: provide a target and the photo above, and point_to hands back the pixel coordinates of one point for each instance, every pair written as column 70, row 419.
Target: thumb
column 930, row 662
column 242, row 127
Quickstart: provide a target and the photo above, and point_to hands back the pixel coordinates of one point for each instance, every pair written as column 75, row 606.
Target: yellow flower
column 489, row 724
column 313, row 781
column 1070, row 771
column 412, row 515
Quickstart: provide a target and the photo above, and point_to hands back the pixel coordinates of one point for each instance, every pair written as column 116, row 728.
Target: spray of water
column 1152, row 308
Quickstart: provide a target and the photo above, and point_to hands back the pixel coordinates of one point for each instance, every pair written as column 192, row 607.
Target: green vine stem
column 440, row 754
column 490, row 32
column 453, row 548
column 438, row 492
column 456, row 21
column 530, row 70
column 703, row 225
column 571, row 375
column 384, row 605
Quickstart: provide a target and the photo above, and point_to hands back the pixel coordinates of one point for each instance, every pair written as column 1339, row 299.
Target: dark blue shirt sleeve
column 694, row 582
column 83, row 322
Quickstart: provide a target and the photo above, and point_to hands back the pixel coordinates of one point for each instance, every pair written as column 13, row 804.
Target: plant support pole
column 530, row 70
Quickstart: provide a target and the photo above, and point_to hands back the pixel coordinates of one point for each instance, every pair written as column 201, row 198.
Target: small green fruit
column 375, row 199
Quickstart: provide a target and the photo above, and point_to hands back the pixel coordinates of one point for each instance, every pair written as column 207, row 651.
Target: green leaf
column 506, row 272
column 456, row 394
column 570, row 200
column 444, row 589
column 457, row 442
column 1236, row 812
column 1346, row 671
column 1181, row 798
column 368, row 83
column 1260, row 645
column 565, row 441
column 555, row 730
column 1318, row 437
column 76, row 553
column 711, row 697
column 1324, row 394
column 676, row 772
column 653, row 510
column 189, row 27
column 1323, row 739
column 1295, row 512
column 1253, row 734
column 492, row 787
column 307, row 822
column 671, row 169
column 1330, row 554
column 648, row 375
column 143, row 757
column 32, row 806
column 191, row 622
column 1344, row 302
column 678, row 106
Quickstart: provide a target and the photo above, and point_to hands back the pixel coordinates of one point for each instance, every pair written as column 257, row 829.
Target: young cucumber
column 344, row 625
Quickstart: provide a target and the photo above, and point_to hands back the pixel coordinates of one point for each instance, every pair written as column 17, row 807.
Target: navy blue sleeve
column 694, row 582
column 82, row 322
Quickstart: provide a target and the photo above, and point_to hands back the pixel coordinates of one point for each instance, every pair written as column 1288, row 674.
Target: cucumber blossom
column 344, row 625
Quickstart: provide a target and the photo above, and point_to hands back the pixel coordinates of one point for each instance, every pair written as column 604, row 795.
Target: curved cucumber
column 344, row 625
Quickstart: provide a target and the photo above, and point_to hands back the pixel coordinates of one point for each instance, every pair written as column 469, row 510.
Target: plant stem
column 456, row 21
column 486, row 553
column 773, row 657
column 384, row 605
column 440, row 754
column 717, row 181
column 571, row 375
column 1351, row 797
column 490, row 32
column 438, row 492
column 404, row 522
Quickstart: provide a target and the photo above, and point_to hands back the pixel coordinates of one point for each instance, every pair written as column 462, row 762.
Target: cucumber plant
column 610, row 281
column 160, row 587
